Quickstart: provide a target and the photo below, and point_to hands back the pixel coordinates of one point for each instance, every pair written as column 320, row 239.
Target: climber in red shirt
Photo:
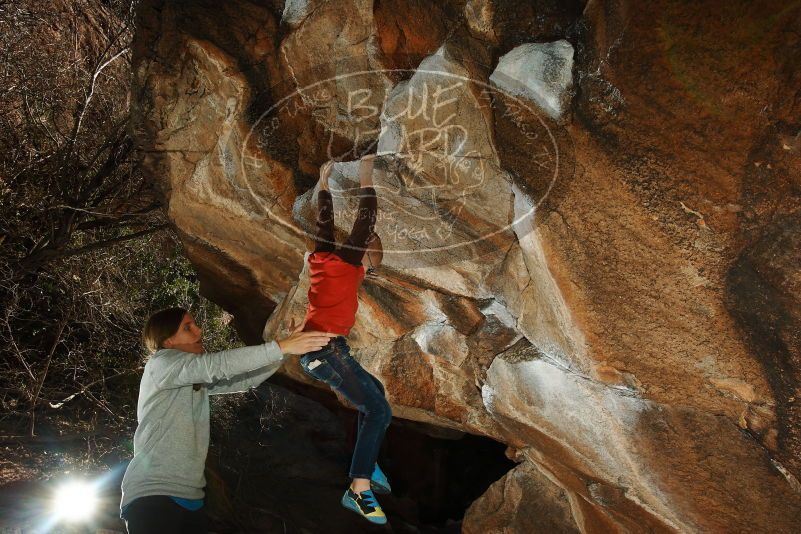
column 336, row 272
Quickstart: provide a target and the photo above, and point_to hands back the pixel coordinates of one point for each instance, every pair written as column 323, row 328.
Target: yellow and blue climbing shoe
column 379, row 482
column 364, row 504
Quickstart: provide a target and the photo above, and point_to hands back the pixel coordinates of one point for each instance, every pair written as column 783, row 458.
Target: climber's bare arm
column 366, row 170
column 325, row 173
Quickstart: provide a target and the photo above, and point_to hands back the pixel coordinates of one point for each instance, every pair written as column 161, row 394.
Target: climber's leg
column 324, row 239
column 352, row 251
column 360, row 388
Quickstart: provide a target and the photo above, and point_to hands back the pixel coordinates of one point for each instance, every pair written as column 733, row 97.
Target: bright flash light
column 75, row 501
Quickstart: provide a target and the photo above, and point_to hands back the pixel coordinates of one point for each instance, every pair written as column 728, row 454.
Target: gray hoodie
column 172, row 439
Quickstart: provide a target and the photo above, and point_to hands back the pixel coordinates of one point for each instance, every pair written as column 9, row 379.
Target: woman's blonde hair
column 160, row 326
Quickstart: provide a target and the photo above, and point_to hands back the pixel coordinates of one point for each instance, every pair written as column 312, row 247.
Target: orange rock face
column 616, row 295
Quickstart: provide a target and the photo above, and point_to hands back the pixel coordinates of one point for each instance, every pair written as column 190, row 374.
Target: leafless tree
column 69, row 182
column 82, row 236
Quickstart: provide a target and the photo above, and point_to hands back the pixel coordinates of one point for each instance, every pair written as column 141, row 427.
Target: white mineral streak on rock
column 594, row 422
column 295, row 11
column 436, row 118
column 542, row 313
column 501, row 312
column 540, row 72
column 442, row 341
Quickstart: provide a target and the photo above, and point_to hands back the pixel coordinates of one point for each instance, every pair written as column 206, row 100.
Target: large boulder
column 614, row 294
column 523, row 500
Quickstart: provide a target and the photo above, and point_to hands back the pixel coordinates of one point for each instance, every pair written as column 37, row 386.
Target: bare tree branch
column 42, row 377
column 90, row 93
column 83, row 390
column 109, row 242
column 13, row 343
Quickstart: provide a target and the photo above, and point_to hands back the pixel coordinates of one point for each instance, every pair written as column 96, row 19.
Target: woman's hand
column 299, row 342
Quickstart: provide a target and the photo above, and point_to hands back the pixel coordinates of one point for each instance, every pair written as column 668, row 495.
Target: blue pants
column 334, row 365
column 159, row 514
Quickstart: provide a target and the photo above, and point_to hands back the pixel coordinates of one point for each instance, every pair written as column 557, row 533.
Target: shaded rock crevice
column 765, row 300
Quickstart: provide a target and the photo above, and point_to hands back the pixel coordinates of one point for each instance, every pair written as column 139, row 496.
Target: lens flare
column 75, row 501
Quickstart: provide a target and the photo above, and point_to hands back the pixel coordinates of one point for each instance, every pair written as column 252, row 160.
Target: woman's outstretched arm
column 171, row 368
column 244, row 381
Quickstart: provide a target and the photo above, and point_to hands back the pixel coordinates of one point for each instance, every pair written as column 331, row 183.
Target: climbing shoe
column 379, row 482
column 364, row 504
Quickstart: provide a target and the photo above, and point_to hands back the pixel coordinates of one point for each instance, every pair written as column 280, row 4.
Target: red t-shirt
column 332, row 293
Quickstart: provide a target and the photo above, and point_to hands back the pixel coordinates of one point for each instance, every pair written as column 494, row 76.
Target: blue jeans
column 334, row 365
